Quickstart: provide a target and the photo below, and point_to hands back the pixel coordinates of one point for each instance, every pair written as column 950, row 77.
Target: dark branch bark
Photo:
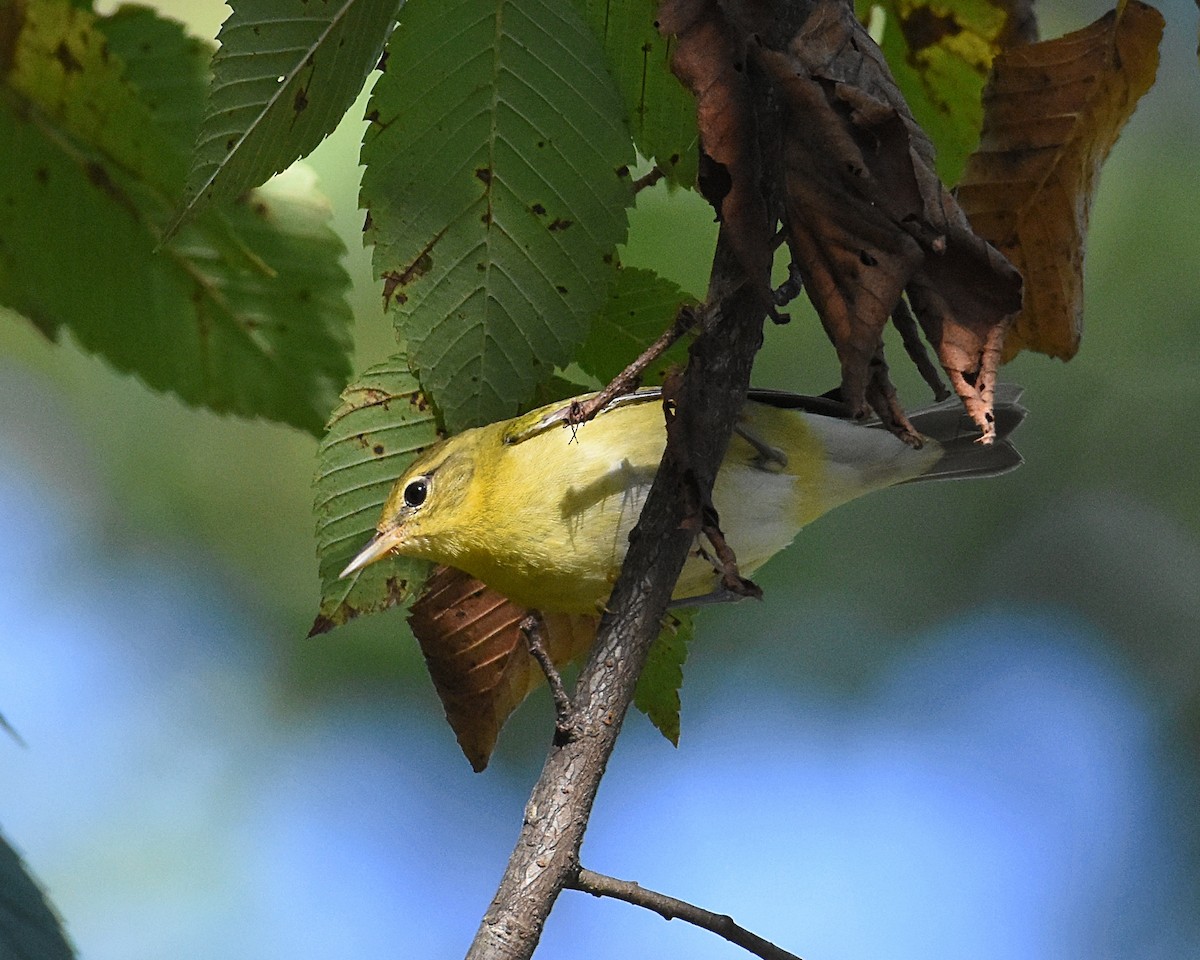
column 713, row 388
column 670, row 908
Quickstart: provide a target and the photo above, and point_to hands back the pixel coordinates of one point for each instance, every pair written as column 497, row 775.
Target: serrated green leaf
column 657, row 694
column 558, row 388
column 497, row 181
column 640, row 306
column 940, row 52
column 163, row 63
column 244, row 311
column 662, row 113
column 384, row 421
column 29, row 927
column 285, row 73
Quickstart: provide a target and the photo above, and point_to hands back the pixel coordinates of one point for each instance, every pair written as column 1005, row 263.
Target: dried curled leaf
column 807, row 126
column 1052, row 112
column 710, row 59
column 894, row 225
column 868, row 218
column 478, row 658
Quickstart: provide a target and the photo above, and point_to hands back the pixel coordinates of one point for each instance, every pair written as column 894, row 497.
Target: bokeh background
column 965, row 722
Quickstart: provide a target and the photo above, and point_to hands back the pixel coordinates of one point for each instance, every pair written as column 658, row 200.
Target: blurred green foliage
column 243, row 310
column 1103, row 519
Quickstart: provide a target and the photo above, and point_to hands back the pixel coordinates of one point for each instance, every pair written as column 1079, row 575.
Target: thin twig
column 629, row 378
column 910, row 335
column 670, row 908
column 731, row 578
column 790, row 289
column 11, row 731
column 650, row 179
column 564, row 710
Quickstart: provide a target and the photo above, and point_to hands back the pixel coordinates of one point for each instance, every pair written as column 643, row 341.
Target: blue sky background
column 1000, row 788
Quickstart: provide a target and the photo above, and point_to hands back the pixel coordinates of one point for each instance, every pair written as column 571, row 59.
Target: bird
column 541, row 510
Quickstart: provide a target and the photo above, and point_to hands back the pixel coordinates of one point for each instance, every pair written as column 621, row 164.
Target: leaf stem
column 628, row 379
column 564, row 711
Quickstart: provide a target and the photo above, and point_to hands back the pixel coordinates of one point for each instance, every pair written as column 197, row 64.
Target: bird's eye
column 416, row 492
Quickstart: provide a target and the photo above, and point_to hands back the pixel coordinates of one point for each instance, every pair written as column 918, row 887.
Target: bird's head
column 430, row 511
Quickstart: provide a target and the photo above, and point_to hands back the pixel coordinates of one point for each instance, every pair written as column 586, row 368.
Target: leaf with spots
column 657, row 694
column 497, row 184
column 382, row 424
column 285, row 74
column 940, row 54
column 640, row 306
column 244, row 310
column 1053, row 111
column 29, row 927
column 662, row 114
column 865, row 217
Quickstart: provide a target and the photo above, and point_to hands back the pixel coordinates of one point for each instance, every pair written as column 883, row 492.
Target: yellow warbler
column 542, row 512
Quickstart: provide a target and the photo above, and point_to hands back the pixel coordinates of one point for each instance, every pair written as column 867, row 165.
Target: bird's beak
column 378, row 547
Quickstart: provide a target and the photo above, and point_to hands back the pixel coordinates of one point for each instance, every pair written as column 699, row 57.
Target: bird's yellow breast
column 569, row 498
column 558, row 507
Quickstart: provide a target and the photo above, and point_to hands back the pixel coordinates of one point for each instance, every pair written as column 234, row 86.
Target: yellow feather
column 543, row 513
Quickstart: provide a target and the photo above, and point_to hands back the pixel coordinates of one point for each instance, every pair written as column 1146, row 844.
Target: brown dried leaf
column 867, row 218
column 478, row 658
column 1052, row 112
column 709, row 58
column 801, row 121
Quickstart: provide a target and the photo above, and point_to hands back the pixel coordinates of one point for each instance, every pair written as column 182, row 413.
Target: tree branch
column 650, row 179
column 532, row 626
column 714, row 385
column 631, row 377
column 669, row 908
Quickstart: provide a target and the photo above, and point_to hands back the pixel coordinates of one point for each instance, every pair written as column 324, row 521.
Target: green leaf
column 164, row 65
column 940, row 52
column 29, row 927
column 640, row 306
column 559, row 388
column 657, row 694
column 286, row 72
column 62, row 81
column 383, row 423
column 244, row 311
column 661, row 111
column 497, row 181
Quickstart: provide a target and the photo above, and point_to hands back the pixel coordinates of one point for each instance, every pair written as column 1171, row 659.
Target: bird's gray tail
column 963, row 455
